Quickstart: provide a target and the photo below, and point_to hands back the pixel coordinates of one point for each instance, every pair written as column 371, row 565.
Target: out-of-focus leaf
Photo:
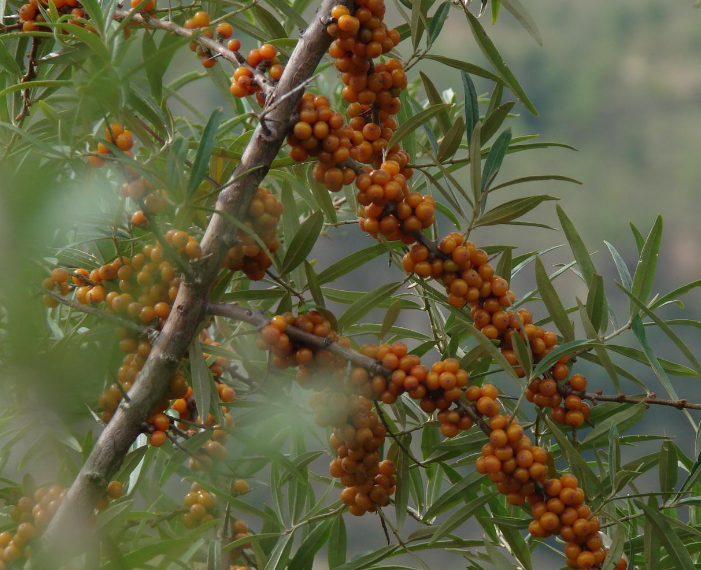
column 289, row 11
column 214, row 555
column 576, row 461
column 494, row 57
column 434, row 98
column 337, row 543
column 201, row 164
column 519, row 12
column 540, row 178
column 200, row 378
column 390, row 318
column 312, row 544
column 476, row 166
column 492, row 350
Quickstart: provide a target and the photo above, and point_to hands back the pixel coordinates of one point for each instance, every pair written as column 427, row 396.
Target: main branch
column 68, row 531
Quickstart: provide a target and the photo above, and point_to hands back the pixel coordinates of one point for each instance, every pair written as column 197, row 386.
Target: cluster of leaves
column 83, row 77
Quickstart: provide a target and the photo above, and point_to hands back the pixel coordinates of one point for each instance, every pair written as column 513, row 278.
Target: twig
column 401, row 445
column 31, row 74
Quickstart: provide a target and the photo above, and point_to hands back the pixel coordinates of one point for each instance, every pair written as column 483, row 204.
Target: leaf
column 289, row 11
column 365, row 304
column 540, row 178
column 562, row 350
column 204, row 152
column 464, row 66
column 390, row 318
column 8, row 62
column 313, row 284
column 574, row 458
column 577, row 245
column 498, row 560
column 337, row 543
column 460, row 516
column 495, row 157
column 552, row 302
column 439, row 17
column 511, row 210
column 476, row 166
column 668, row 537
column 495, row 119
column 666, row 329
column 614, row 455
column 214, row 555
column 672, row 294
column 596, row 303
column 667, row 366
column 472, row 111
column 613, row 556
column 369, row 559
column 599, row 348
column 645, row 270
column 519, row 12
column 452, row 139
column 626, row 417
column 200, row 378
column 350, row 262
column 415, row 122
column 668, row 468
column 492, row 54
column 639, row 239
column 401, row 498
column 312, row 544
column 434, row 98
column 303, row 242
column 523, row 354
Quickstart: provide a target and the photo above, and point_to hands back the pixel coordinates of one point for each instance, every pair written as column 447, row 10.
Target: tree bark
column 69, row 531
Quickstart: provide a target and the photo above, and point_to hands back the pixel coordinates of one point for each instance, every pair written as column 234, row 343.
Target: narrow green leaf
column 452, row 139
column 614, row 455
column 668, row 468
column 312, row 544
column 434, row 98
column 596, row 303
column 540, row 178
column 574, row 457
column 511, row 210
column 494, row 159
column 8, row 62
column 673, row 294
column 200, row 378
column 464, row 66
column 580, row 252
column 666, row 365
column 476, row 166
column 524, row 18
column 552, row 302
column 639, row 239
column 668, row 537
column 599, row 348
column 401, row 499
column 313, row 284
column 287, row 10
column 365, row 304
column 367, row 560
column 337, row 543
column 626, row 417
column 494, row 120
column 613, row 556
column 460, row 516
column 645, row 270
column 201, row 164
column 303, row 242
column 436, row 24
column 472, row 111
column 214, row 556
column 390, row 318
column 492, row 54
column 415, row 122
column 666, row 329
column 523, row 354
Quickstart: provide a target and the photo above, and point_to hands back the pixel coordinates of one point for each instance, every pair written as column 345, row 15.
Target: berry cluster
column 264, row 59
column 32, row 514
column 223, row 30
column 261, row 220
column 562, row 511
column 30, row 16
column 323, row 134
column 239, row 530
column 309, row 360
column 116, row 135
column 543, row 392
column 201, row 504
column 114, row 491
column 389, row 208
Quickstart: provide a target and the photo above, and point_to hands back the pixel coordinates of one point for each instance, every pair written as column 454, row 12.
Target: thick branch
column 68, row 529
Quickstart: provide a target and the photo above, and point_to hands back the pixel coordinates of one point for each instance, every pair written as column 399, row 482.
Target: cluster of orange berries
column 357, row 437
column 322, row 133
column 562, row 511
column 543, row 392
column 116, row 135
column 289, row 353
column 389, row 208
column 32, row 515
column 261, row 221
column 201, row 20
column 201, row 504
column 30, row 16
column 264, row 58
column 239, row 530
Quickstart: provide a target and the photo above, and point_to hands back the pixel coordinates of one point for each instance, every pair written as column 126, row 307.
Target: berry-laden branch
column 68, row 528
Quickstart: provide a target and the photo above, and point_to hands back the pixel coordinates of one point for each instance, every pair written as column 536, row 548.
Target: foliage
column 258, row 459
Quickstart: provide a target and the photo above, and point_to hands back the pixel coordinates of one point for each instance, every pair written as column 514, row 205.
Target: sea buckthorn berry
column 224, row 30
column 157, row 438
